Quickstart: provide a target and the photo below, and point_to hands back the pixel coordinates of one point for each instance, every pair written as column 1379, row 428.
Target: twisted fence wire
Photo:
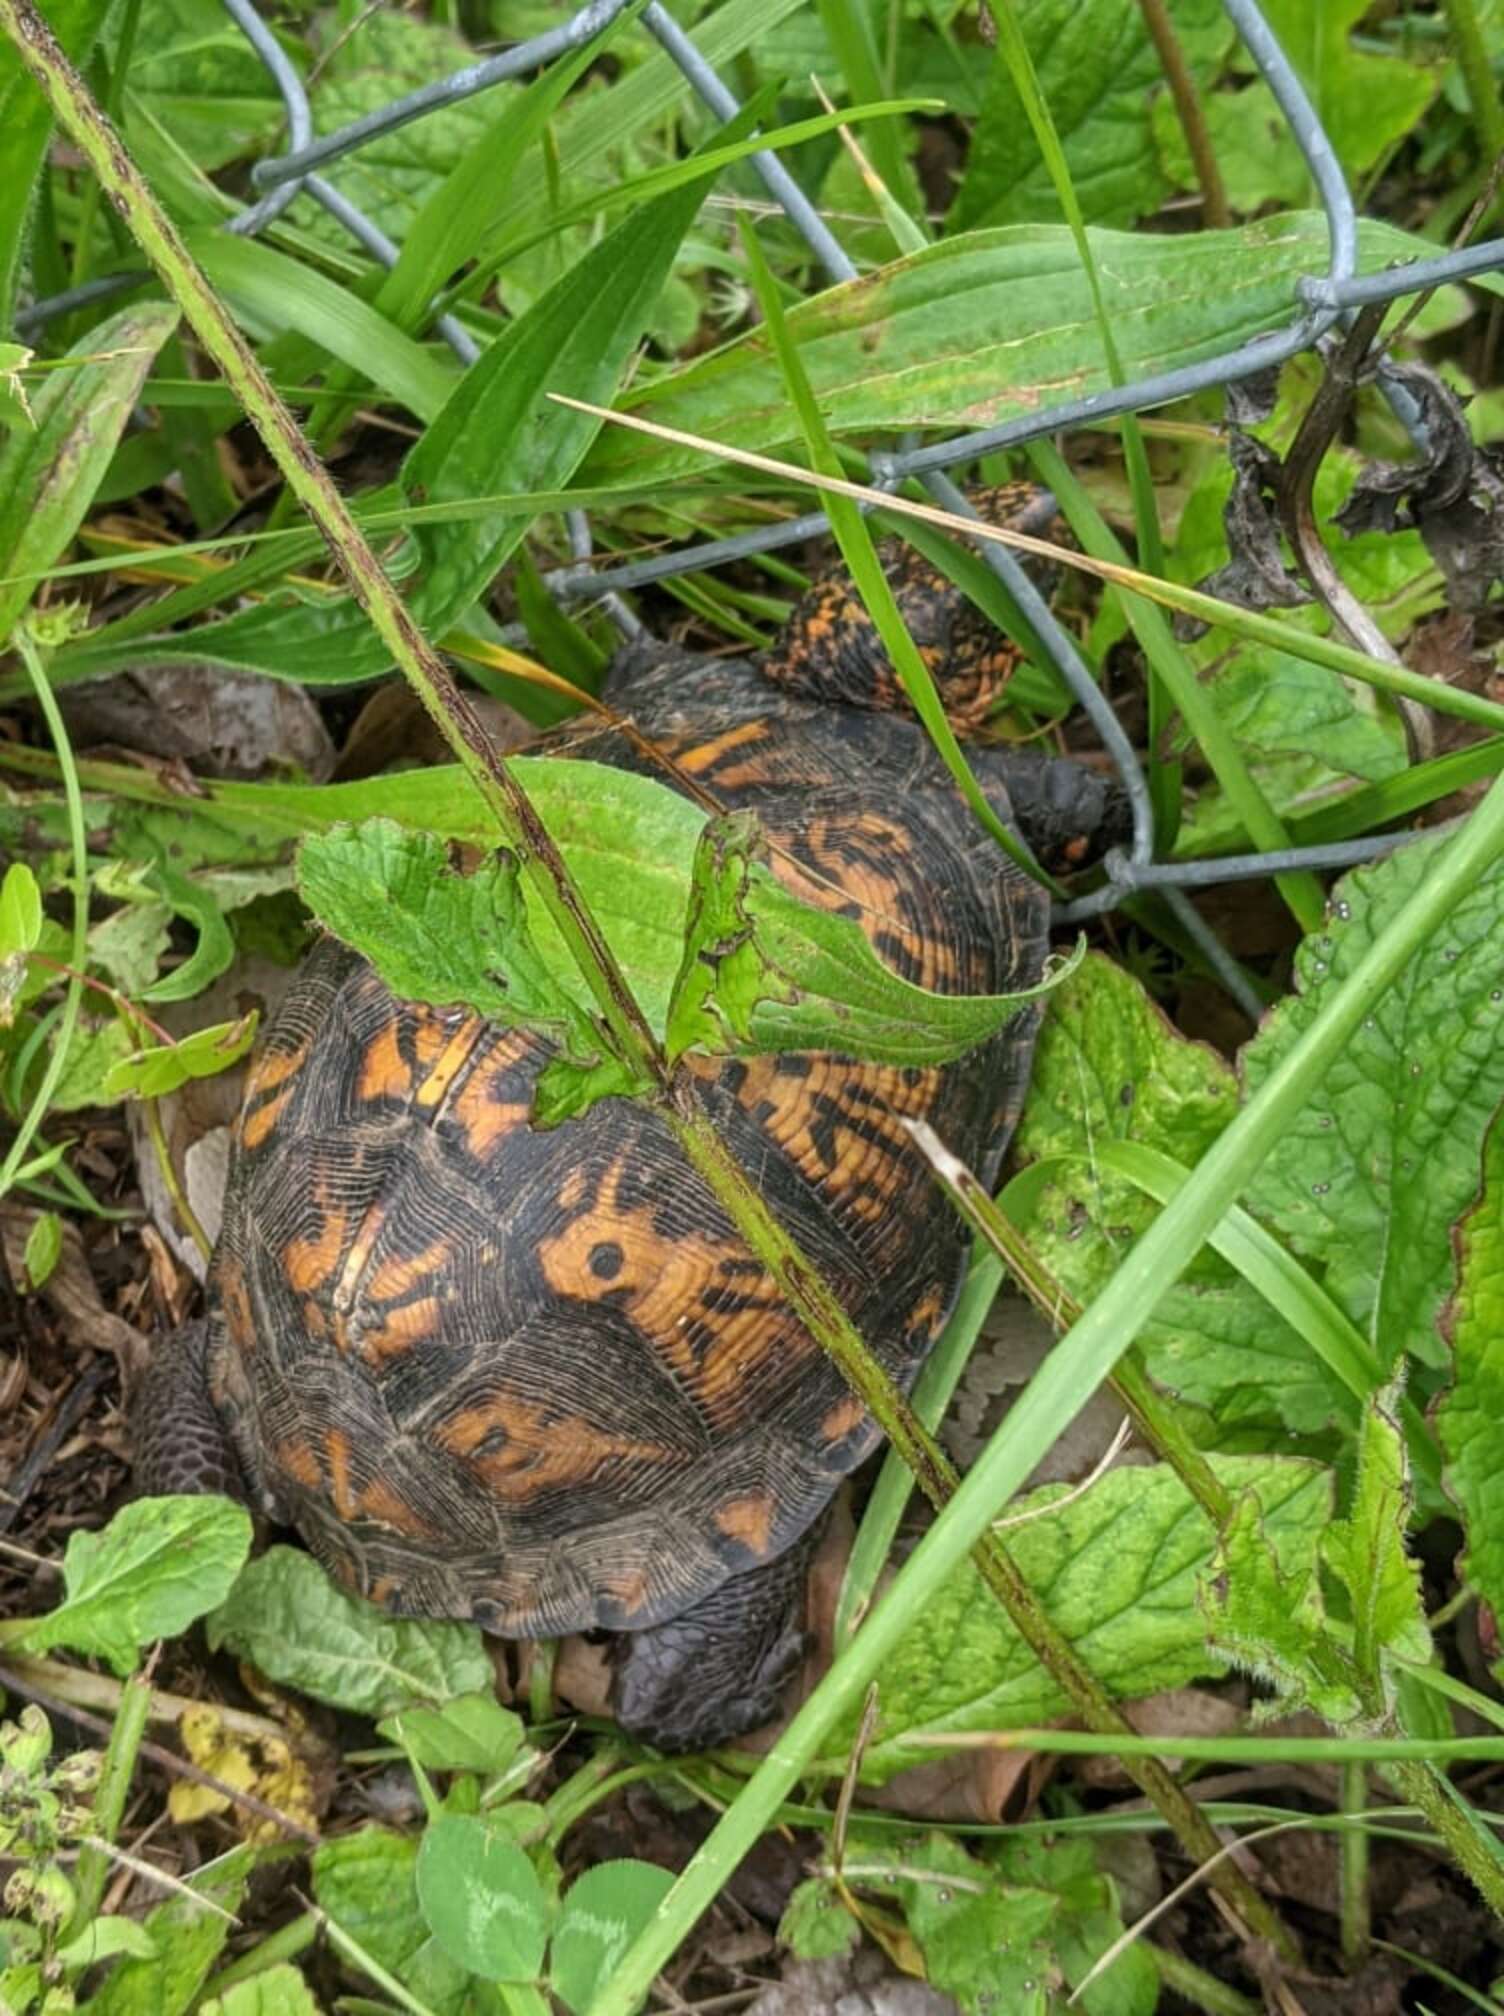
column 1322, row 301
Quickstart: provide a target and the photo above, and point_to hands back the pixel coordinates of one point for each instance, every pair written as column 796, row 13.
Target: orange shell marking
column 697, row 1299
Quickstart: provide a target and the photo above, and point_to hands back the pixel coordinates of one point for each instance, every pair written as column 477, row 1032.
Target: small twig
column 126, row 1008
column 70, row 1410
column 167, row 1760
column 1187, row 102
column 70, row 1690
column 1318, row 430
column 861, row 1742
column 1482, row 203
column 149, row 1873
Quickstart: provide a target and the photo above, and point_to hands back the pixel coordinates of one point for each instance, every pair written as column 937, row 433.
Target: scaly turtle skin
column 535, row 1378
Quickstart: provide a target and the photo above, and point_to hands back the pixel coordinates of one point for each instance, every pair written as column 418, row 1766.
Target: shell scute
column 537, row 1377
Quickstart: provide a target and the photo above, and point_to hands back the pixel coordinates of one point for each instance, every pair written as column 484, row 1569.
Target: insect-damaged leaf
column 763, row 971
column 720, row 955
column 438, row 935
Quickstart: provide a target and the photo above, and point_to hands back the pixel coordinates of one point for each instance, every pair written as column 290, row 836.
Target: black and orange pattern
column 536, row 1377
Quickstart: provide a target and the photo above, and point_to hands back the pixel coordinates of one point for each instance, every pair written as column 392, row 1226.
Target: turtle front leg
column 177, row 1438
column 721, row 1667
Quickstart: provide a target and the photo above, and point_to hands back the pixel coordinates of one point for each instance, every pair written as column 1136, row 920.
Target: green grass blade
column 1076, row 1366
column 1197, row 706
column 1284, row 1284
column 848, row 25
column 277, row 293
column 48, row 474
column 860, row 555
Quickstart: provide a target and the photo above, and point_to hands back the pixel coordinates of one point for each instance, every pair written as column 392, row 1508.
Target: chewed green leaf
column 287, row 1617
column 722, row 975
column 1380, row 1164
column 828, row 990
column 159, row 1564
column 216, row 943
column 1116, row 1567
column 435, row 933
column 759, row 971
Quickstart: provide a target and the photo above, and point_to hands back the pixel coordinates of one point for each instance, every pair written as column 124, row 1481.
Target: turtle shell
column 535, row 1377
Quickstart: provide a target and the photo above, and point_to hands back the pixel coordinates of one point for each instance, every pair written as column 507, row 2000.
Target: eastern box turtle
column 535, row 1378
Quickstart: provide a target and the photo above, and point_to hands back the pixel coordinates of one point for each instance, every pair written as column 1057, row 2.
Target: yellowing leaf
column 263, row 1765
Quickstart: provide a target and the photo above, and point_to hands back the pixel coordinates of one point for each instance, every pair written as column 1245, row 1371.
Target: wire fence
column 1321, row 303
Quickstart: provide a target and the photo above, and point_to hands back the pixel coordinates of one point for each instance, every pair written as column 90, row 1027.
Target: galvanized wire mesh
column 1321, row 302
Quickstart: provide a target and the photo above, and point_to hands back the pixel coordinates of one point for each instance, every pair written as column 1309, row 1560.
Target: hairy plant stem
column 1474, row 1849
column 623, row 1027
column 1199, row 1989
